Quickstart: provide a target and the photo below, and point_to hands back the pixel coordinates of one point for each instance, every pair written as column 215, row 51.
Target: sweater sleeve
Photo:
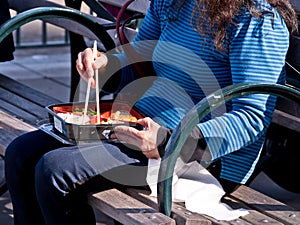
column 257, row 55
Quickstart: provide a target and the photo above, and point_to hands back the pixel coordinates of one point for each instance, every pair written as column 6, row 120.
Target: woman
column 240, row 41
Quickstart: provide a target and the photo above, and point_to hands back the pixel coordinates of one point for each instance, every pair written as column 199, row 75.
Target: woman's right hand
column 88, row 61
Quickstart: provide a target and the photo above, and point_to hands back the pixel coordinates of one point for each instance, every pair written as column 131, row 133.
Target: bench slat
column 180, row 214
column 126, row 209
column 14, row 125
column 19, row 113
column 183, row 216
column 254, row 217
column 5, row 139
column 267, row 205
column 23, row 104
column 26, row 92
column 286, row 120
column 10, row 128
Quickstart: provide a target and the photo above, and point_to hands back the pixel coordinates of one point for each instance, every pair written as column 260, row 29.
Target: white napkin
column 195, row 186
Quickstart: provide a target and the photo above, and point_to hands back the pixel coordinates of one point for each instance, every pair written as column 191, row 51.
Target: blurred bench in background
column 78, row 32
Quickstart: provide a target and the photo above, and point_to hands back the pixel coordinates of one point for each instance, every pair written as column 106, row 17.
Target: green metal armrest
column 57, row 12
column 196, row 114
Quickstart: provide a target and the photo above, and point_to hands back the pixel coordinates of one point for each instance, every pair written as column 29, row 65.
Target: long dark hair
column 219, row 14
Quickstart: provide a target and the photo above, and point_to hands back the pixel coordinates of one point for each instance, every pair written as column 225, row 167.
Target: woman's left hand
column 146, row 140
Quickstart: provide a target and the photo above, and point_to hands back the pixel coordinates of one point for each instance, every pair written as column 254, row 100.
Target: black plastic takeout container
column 89, row 132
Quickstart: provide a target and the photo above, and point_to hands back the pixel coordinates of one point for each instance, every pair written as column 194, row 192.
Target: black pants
column 7, row 45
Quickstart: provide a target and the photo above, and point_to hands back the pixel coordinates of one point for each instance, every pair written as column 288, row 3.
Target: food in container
column 69, row 120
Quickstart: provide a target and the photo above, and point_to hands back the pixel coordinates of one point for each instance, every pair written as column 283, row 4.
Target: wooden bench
column 22, row 107
column 262, row 209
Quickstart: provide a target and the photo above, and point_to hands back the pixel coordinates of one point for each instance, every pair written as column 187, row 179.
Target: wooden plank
column 180, row 214
column 18, row 113
column 10, row 128
column 286, row 120
column 254, row 217
column 14, row 125
column 288, row 106
column 5, row 139
column 266, row 205
column 183, row 216
column 26, row 92
column 23, row 104
column 126, row 209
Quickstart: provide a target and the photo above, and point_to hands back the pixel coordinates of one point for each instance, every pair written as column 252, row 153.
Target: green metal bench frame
column 57, row 12
column 196, row 114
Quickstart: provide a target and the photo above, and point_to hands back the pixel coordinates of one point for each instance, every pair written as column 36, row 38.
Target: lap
column 116, row 162
column 31, row 146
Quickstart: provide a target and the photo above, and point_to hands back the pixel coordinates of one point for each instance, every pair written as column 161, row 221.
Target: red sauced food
column 77, row 117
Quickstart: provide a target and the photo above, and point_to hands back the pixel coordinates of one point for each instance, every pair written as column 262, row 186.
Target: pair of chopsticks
column 89, row 89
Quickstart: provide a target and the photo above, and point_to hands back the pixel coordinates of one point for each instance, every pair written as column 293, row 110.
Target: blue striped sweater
column 189, row 67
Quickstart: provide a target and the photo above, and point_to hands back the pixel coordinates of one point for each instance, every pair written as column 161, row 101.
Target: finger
column 93, row 83
column 126, row 130
column 87, row 62
column 145, row 121
column 89, row 69
column 127, row 134
column 127, row 138
column 86, row 78
column 101, row 61
column 78, row 62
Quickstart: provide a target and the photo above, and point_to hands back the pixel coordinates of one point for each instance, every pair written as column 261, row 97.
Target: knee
column 50, row 174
